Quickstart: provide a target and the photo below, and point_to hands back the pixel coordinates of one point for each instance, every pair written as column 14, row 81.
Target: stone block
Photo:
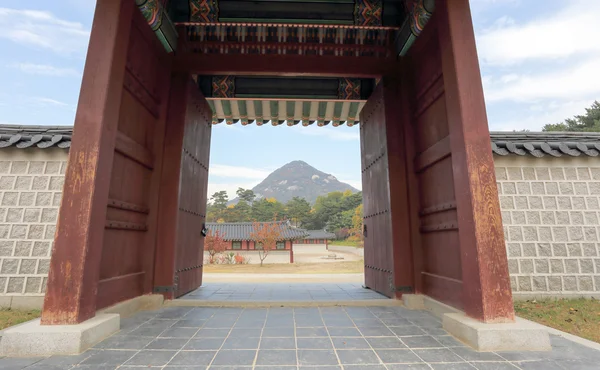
column 578, row 203
column 542, row 266
column 513, row 284
column 56, row 183
column 552, row 188
column 539, row 284
column 3, row 281
column 506, row 220
column 501, row 173
column 550, row 203
column 509, row 188
column 594, row 188
column 32, row 215
column 44, row 284
column 529, row 250
column 23, row 248
column 562, row 218
column 19, row 167
column 566, row 188
column 533, row 217
column 27, row 266
column 575, row 233
column 35, row 340
column 56, row 199
column 544, row 250
column 52, row 168
column 581, row 188
column 515, row 233
column 590, row 233
column 597, row 263
column 589, row 250
column 576, row 218
column 542, row 173
column 521, row 202
column 7, row 182
column 10, row 198
column 572, row 266
column 23, row 183
column 32, row 284
column 595, row 171
column 27, row 199
column 530, row 233
column 36, row 167
column 535, row 202
column 6, row 248
column 545, row 234
column 537, row 188
column 14, row 215
column 43, row 267
column 15, row 285
column 40, row 183
column 27, row 302
column 2, row 214
column 514, row 250
column 41, row 249
column 574, row 249
column 521, row 335
column 513, row 266
column 564, row 203
column 592, row 203
column 590, row 218
column 4, row 231
column 63, row 168
column 528, row 173
column 514, row 173
column 526, row 266
column 556, row 266
column 518, row 217
column 36, row 232
column 506, row 202
column 560, row 234
column 548, row 218
column 50, row 231
column 554, row 284
column 523, row 188
column 10, row 266
column 583, row 173
column 4, row 166
column 570, row 173
column 597, row 282
column 18, row 231
column 49, row 215
column 586, row 283
column 43, row 199
column 586, row 265
column 524, row 283
column 413, row 301
column 570, row 283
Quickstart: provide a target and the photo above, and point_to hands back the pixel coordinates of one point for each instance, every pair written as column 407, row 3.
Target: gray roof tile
column 237, row 231
column 41, row 136
column 319, row 234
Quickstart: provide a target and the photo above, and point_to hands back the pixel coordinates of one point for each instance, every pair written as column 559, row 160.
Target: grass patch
column 580, row 317
column 346, row 267
column 10, row 317
column 347, row 243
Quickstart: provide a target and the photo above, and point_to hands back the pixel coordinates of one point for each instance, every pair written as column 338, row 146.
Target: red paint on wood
column 487, row 294
column 75, row 264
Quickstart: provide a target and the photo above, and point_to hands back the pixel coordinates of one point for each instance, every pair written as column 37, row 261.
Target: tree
column 214, row 244
column 357, row 222
column 265, row 235
column 246, row 195
column 589, row 122
column 267, row 209
column 218, row 204
column 298, row 210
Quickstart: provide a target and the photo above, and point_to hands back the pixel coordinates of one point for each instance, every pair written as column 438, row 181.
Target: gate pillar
column 486, row 285
column 75, row 263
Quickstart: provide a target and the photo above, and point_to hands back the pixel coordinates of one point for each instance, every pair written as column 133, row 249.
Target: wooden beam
column 433, row 154
column 75, row 264
column 132, row 150
column 487, row 294
column 284, row 65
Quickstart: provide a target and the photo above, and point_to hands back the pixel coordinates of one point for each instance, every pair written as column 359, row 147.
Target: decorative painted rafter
column 204, row 11
column 158, row 20
column 419, row 12
column 368, row 12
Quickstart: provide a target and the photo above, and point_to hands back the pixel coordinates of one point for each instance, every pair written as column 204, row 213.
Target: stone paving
column 298, row 338
column 285, row 291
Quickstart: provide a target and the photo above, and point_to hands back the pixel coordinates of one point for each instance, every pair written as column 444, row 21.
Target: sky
column 539, row 59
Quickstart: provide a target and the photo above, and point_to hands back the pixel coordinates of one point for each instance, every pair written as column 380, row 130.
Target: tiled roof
column 319, row 234
column 540, row 144
column 237, row 231
column 40, row 136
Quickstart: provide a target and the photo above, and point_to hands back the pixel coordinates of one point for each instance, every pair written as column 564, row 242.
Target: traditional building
column 317, row 237
column 239, row 234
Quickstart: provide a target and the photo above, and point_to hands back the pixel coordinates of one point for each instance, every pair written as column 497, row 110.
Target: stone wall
column 551, row 210
column 31, row 183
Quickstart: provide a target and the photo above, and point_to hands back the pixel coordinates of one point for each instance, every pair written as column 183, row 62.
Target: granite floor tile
column 350, row 343
column 151, row 358
column 109, row 357
column 357, row 357
column 314, row 343
column 235, row 357
column 396, row 356
column 425, row 341
column 167, row 343
column 192, row 358
column 317, row 357
column 198, row 344
column 278, row 343
column 276, row 357
column 241, row 343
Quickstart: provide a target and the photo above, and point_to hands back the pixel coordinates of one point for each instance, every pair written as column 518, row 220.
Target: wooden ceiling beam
column 284, row 65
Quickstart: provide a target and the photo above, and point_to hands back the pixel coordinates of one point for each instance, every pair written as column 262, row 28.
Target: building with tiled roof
column 317, row 237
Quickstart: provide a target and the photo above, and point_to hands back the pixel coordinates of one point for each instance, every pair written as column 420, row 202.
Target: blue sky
column 540, row 62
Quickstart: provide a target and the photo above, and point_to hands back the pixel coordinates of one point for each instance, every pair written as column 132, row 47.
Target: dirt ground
column 344, row 267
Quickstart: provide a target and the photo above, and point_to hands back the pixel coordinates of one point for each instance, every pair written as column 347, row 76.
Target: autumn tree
column 214, row 244
column 265, row 235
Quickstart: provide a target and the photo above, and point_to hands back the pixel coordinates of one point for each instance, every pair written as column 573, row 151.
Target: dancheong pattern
column 349, row 89
column 152, row 12
column 205, row 11
column 418, row 15
column 368, row 12
column 223, row 86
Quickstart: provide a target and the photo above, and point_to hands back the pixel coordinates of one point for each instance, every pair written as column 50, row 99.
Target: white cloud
column 46, row 70
column 230, row 188
column 574, row 30
column 43, row 30
column 47, row 101
column 357, row 184
column 542, row 114
column 221, row 170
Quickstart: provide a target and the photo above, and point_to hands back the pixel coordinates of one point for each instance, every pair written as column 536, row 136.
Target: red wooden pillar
column 291, row 251
column 486, row 286
column 75, row 264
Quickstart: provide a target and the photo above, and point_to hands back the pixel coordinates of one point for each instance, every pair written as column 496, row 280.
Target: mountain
column 298, row 179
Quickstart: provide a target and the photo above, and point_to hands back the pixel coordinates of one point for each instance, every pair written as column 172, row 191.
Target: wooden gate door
column 193, row 183
column 376, row 197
